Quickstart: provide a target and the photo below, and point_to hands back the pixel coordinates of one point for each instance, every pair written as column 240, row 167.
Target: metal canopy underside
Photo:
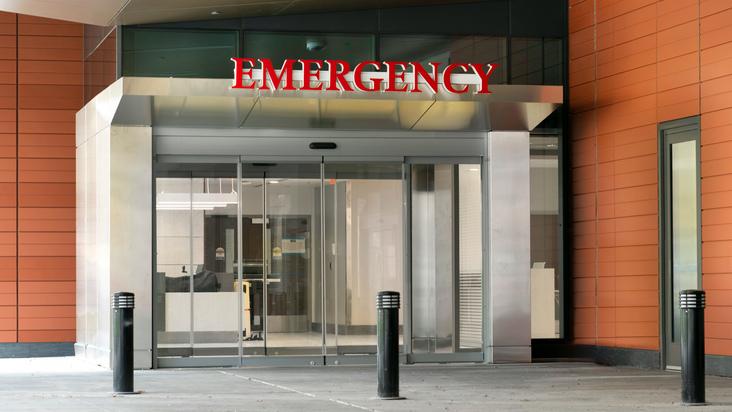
column 109, row 12
column 210, row 103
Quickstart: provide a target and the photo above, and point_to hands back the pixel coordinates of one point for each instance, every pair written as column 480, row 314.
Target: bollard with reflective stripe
column 692, row 304
column 387, row 349
column 123, row 303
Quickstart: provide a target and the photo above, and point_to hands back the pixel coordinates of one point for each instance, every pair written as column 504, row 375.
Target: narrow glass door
column 681, row 230
column 364, row 244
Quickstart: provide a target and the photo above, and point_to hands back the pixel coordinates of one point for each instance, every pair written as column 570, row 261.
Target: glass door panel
column 252, row 287
column 363, row 250
column 196, row 303
column 214, row 238
column 289, row 303
column 446, row 258
column 172, row 300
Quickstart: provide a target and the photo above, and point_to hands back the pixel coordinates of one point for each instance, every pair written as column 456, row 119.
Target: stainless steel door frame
column 465, row 147
column 249, row 360
column 358, row 354
column 163, row 361
column 476, row 355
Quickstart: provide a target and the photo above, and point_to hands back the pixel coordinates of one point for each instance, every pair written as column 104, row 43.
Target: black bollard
column 692, row 304
column 387, row 345
column 123, row 303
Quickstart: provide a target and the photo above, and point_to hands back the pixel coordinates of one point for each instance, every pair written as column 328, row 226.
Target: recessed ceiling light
column 215, row 13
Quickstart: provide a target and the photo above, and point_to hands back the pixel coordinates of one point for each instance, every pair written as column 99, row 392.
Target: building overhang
column 110, row 12
column 211, row 103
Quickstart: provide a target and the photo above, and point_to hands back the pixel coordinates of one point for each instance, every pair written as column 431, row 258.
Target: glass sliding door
column 267, row 260
column 282, row 254
column 292, row 255
column 196, row 306
column 363, row 213
column 447, row 263
column 173, row 320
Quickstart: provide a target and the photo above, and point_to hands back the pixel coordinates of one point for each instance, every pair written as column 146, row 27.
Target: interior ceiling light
column 199, row 201
column 215, row 13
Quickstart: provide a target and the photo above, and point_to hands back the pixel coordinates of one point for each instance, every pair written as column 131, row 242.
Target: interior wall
column 176, row 228
column 374, row 236
column 631, row 66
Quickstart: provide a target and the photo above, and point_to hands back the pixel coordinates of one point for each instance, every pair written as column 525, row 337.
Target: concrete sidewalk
column 535, row 387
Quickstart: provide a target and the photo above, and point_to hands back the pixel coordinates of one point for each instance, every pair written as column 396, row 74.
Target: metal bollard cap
column 692, row 299
column 387, row 299
column 123, row 300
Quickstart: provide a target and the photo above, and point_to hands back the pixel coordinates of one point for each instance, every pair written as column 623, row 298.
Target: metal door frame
column 457, row 356
column 666, row 138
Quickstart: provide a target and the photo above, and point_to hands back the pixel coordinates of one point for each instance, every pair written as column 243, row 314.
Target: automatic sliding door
column 363, row 249
column 282, row 254
column 292, row 260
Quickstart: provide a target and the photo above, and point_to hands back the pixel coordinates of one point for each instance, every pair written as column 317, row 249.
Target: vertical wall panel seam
column 17, row 181
column 699, row 66
column 700, row 212
column 597, row 173
column 659, row 153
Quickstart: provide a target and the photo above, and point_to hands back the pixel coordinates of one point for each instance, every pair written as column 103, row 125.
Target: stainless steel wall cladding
column 123, row 300
column 692, row 299
column 387, row 300
column 509, row 256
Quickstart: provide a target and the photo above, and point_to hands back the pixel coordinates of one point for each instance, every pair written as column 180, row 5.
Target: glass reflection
column 684, row 217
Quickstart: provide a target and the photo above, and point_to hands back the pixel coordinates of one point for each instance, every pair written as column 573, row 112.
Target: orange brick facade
column 632, row 65
column 41, row 89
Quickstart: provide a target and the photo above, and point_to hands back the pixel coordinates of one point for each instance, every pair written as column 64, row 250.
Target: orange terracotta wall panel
column 716, row 140
column 50, row 91
column 8, row 181
column 615, row 120
column 634, row 64
column 41, row 86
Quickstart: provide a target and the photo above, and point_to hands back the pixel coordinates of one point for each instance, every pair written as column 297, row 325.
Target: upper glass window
column 446, row 50
column 178, row 53
column 353, row 48
column 536, row 61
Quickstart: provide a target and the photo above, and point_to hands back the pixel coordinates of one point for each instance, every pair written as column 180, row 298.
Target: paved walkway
column 63, row 384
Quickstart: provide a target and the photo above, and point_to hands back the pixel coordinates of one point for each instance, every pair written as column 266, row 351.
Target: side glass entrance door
column 681, row 240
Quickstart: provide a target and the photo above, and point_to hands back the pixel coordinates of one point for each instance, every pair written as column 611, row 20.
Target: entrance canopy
column 178, row 102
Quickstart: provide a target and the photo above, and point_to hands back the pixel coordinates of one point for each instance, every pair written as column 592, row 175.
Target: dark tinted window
column 447, row 49
column 352, row 48
column 536, row 61
column 178, row 53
